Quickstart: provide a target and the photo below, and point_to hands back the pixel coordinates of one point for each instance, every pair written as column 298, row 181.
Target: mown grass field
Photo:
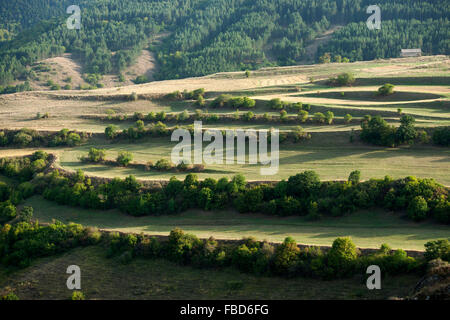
column 107, row 279
column 368, row 229
column 331, row 156
column 422, row 90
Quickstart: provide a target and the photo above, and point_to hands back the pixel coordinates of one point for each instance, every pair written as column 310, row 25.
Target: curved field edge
column 368, row 229
column 154, row 279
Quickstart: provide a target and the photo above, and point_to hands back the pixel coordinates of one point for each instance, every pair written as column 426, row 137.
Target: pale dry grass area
column 231, row 81
column 300, row 96
column 19, row 110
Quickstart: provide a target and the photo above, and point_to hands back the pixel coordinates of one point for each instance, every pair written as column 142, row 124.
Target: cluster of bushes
column 228, row 101
column 23, row 168
column 343, row 79
column 386, row 89
column 139, row 131
column 303, row 194
column 205, row 116
column 287, row 259
column 10, row 196
column 326, row 58
column 17, row 88
column 93, row 80
column 326, row 118
column 124, row 158
column 159, row 129
column 343, row 259
column 32, row 138
column 141, row 79
column 23, row 241
column 278, row 104
column 441, row 136
column 166, row 165
column 377, row 131
column 186, row 95
column 198, row 95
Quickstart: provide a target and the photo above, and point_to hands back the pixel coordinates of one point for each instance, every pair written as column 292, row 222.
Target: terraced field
column 422, row 89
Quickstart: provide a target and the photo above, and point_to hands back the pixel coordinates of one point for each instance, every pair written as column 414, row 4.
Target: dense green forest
column 211, row 36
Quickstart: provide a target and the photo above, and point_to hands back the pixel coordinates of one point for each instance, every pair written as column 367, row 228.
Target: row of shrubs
column 23, row 170
column 441, row 136
column 32, row 138
column 159, row 129
column 186, row 95
column 376, row 130
column 303, row 194
column 261, row 258
column 23, row 241
column 183, row 117
column 277, row 104
column 125, row 159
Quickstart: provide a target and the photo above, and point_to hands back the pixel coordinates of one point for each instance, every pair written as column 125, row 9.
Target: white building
column 411, row 53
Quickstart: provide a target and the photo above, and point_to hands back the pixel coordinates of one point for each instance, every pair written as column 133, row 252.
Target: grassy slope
column 369, row 229
column 333, row 157
column 157, row 279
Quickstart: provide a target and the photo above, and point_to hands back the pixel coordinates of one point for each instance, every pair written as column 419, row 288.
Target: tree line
column 212, row 36
column 302, row 194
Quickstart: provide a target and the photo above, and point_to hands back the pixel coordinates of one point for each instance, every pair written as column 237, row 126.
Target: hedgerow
column 32, row 138
column 302, row 194
column 24, row 241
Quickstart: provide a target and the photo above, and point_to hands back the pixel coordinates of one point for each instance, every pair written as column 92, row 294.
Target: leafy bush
column 7, row 211
column 386, row 89
column 354, row 177
column 343, row 79
column 319, row 117
column 22, row 139
column 163, row 165
column 124, row 158
column 303, row 115
column 77, row 295
column 10, row 296
column 141, row 79
column 286, row 257
column 348, row 118
column 418, row 209
column 96, row 155
column 342, row 256
column 111, row 131
column 441, row 136
column 439, row 249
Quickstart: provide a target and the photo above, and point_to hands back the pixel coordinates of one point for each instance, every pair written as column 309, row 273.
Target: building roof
column 411, row 50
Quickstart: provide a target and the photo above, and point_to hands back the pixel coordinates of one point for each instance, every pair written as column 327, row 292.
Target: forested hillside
column 211, row 36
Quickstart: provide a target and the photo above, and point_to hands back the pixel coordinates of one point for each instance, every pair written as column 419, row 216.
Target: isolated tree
column 325, row 58
column 329, row 116
column 386, row 89
column 406, row 133
column 124, row 158
column 303, row 115
column 354, row 177
column 348, row 118
column 345, row 79
column 111, row 131
column 319, row 117
column 96, row 155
